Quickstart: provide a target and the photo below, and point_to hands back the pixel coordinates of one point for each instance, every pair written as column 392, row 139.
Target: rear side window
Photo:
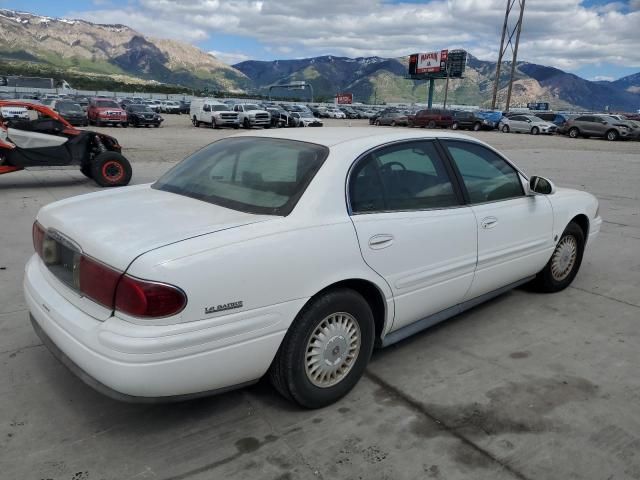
column 254, row 175
column 409, row 176
column 486, row 175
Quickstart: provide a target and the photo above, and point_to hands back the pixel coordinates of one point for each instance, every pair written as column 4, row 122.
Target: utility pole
column 446, row 89
column 503, row 48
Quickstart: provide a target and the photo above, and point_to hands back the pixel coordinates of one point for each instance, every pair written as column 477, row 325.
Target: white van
column 213, row 113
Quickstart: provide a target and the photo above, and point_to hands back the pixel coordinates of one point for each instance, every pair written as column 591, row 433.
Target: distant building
column 27, row 82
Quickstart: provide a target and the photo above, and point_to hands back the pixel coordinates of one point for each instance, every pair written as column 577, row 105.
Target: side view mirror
column 541, row 186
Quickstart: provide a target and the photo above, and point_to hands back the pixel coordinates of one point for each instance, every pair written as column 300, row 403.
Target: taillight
column 97, row 281
column 38, row 237
column 141, row 298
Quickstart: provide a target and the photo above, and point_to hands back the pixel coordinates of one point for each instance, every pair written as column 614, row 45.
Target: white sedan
column 291, row 253
column 526, row 124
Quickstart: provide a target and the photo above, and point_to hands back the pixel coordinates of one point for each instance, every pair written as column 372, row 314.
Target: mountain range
column 120, row 54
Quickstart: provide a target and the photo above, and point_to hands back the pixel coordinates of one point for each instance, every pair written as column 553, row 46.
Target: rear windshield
column 253, row 175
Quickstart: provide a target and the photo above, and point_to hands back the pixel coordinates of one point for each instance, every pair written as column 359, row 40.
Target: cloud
column 562, row 33
column 230, row 58
column 604, row 78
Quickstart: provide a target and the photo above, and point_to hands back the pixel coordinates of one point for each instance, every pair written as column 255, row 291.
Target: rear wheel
column 110, row 169
column 612, row 135
column 574, row 132
column 326, row 349
column 564, row 263
column 393, row 123
column 377, row 123
column 455, row 126
column 431, row 124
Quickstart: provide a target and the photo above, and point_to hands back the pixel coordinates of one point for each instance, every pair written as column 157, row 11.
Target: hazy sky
column 596, row 39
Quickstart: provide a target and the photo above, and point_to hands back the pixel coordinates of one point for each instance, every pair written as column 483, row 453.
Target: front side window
column 410, row 176
column 254, row 175
column 486, row 175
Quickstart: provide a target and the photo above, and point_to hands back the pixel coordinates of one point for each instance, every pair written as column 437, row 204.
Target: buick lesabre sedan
column 291, row 254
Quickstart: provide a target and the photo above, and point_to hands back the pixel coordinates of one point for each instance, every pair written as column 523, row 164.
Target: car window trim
column 445, row 161
column 521, row 175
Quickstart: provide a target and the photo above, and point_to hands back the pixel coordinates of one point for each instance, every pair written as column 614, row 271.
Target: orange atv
column 39, row 137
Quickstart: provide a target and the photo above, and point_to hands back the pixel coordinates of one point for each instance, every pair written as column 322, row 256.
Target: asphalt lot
column 527, row 386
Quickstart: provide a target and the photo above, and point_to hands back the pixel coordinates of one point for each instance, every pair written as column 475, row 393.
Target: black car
column 471, row 121
column 72, row 112
column 185, row 107
column 350, row 113
column 142, row 116
column 279, row 116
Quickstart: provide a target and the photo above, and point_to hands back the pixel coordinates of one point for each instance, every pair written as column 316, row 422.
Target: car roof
column 373, row 136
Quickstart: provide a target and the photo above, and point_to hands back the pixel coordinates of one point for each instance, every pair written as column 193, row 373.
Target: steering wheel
column 389, row 166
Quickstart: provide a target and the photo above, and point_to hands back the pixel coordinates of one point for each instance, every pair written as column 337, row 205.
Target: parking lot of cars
column 524, row 386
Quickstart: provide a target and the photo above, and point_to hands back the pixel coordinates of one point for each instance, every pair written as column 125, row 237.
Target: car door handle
column 489, row 222
column 380, row 241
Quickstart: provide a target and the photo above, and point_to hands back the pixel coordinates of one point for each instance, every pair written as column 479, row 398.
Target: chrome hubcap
column 564, row 258
column 332, row 350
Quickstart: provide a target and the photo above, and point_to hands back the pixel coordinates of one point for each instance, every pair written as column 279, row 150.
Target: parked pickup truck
column 251, row 115
column 213, row 113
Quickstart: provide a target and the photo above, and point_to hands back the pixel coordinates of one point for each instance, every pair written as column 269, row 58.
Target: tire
column 110, row 169
column 213, row 123
column 553, row 278
column 377, row 123
column 393, row 123
column 157, row 125
column 505, row 129
column 85, row 169
column 194, row 121
column 431, row 124
column 476, row 127
column 246, row 124
column 535, row 131
column 455, row 126
column 289, row 372
column 574, row 132
column 124, row 124
column 612, row 135
column 98, row 123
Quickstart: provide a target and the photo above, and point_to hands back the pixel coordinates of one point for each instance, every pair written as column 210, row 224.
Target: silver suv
column 603, row 126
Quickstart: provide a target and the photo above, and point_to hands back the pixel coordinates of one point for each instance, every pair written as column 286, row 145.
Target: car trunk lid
column 115, row 227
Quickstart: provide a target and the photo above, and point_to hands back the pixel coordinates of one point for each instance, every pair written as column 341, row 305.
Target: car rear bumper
column 156, row 362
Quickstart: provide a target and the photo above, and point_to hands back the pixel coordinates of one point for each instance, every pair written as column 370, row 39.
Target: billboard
column 435, row 64
column 344, row 98
column 538, row 106
column 430, row 62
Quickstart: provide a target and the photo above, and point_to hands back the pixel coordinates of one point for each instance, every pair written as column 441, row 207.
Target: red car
column 432, row 118
column 103, row 111
column 45, row 139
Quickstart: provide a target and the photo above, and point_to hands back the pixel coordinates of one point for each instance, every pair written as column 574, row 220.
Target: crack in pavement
column 419, row 408
column 605, row 296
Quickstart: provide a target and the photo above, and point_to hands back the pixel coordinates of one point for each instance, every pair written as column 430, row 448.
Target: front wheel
column 564, row 263
column 246, row 123
column 612, row 135
column 574, row 132
column 476, row 126
column 505, row 128
column 535, row 131
column 431, row 124
column 455, row 126
column 110, row 169
column 326, row 349
column 393, row 123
